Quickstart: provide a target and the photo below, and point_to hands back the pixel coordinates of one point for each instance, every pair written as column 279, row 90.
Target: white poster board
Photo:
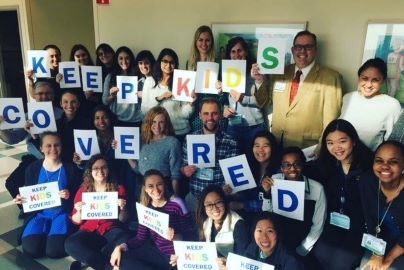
column 41, row 196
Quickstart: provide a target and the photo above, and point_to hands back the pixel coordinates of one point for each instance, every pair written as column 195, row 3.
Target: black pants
column 51, row 246
column 145, row 257
column 92, row 248
column 338, row 249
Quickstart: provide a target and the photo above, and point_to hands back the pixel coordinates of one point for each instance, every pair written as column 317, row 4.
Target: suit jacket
column 317, row 103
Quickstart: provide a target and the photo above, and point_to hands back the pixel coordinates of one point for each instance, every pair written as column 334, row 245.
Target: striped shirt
column 180, row 221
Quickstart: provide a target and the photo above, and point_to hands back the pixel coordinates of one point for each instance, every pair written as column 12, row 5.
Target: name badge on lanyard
column 374, row 244
column 205, row 174
column 340, row 220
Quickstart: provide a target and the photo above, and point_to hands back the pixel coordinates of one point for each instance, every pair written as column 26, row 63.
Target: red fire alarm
column 103, row 2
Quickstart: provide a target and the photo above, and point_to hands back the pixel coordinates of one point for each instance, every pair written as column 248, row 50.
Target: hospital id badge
column 340, row 220
column 374, row 244
column 236, row 120
column 279, row 87
column 205, row 174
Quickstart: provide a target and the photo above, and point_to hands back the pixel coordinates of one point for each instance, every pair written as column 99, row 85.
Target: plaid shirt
column 226, row 147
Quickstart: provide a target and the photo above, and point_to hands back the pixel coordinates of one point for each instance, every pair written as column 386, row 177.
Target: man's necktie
column 295, row 86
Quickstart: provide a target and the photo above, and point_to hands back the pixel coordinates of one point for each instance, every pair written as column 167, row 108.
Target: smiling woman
column 372, row 113
column 383, row 200
column 343, row 160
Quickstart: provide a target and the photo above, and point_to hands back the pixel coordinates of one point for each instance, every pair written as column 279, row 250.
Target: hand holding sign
column 237, row 173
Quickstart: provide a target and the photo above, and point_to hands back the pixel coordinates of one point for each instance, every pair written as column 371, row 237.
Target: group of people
column 353, row 185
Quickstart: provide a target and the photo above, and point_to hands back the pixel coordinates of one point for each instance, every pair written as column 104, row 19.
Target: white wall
column 155, row 24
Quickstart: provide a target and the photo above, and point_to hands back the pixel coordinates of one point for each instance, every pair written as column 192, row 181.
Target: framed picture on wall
column 386, row 41
column 223, row 32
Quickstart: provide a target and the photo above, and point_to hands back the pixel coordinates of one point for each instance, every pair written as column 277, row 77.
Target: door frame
column 20, row 6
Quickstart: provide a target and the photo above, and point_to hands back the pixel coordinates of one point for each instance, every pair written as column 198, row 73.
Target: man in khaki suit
column 303, row 105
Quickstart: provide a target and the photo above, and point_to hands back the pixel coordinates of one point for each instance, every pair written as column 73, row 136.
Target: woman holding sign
column 217, row 223
column 267, row 245
column 202, row 50
column 383, row 205
column 137, row 253
column 124, row 64
column 45, row 230
column 245, row 116
column 94, row 235
column 157, row 90
column 342, row 161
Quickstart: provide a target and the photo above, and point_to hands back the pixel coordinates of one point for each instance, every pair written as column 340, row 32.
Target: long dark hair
column 201, row 215
column 107, row 49
column 116, row 68
column 362, row 156
column 77, row 47
column 143, row 55
column 274, row 160
column 157, row 73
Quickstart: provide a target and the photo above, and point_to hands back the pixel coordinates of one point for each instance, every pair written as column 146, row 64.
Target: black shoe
column 76, row 265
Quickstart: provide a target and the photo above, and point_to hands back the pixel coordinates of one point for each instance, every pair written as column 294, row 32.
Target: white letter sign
column 12, row 111
column 39, row 63
column 271, row 55
column 183, row 85
column 127, row 86
column 201, row 150
column 86, row 143
column 42, row 117
column 128, row 142
column 91, row 77
column 288, row 198
column 233, row 75
column 206, row 77
column 237, row 173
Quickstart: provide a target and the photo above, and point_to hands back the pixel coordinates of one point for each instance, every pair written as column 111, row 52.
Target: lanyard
column 343, row 191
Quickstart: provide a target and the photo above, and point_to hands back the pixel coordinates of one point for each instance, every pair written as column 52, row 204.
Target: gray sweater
column 164, row 155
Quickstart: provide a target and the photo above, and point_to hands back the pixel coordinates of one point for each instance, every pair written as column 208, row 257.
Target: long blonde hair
column 147, row 134
column 194, row 55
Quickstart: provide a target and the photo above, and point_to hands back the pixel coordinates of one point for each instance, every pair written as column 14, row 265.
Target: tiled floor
column 11, row 256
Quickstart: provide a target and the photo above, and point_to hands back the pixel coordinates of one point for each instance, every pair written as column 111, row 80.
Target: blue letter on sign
column 124, row 144
column 86, row 151
column 292, row 196
column 67, row 75
column 36, row 65
column 7, row 117
column 126, row 88
column 200, row 149
column 91, row 77
column 35, row 118
column 234, row 176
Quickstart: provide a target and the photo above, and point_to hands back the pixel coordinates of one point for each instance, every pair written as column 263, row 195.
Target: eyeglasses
column 218, row 204
column 288, row 166
column 164, row 61
column 307, row 47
